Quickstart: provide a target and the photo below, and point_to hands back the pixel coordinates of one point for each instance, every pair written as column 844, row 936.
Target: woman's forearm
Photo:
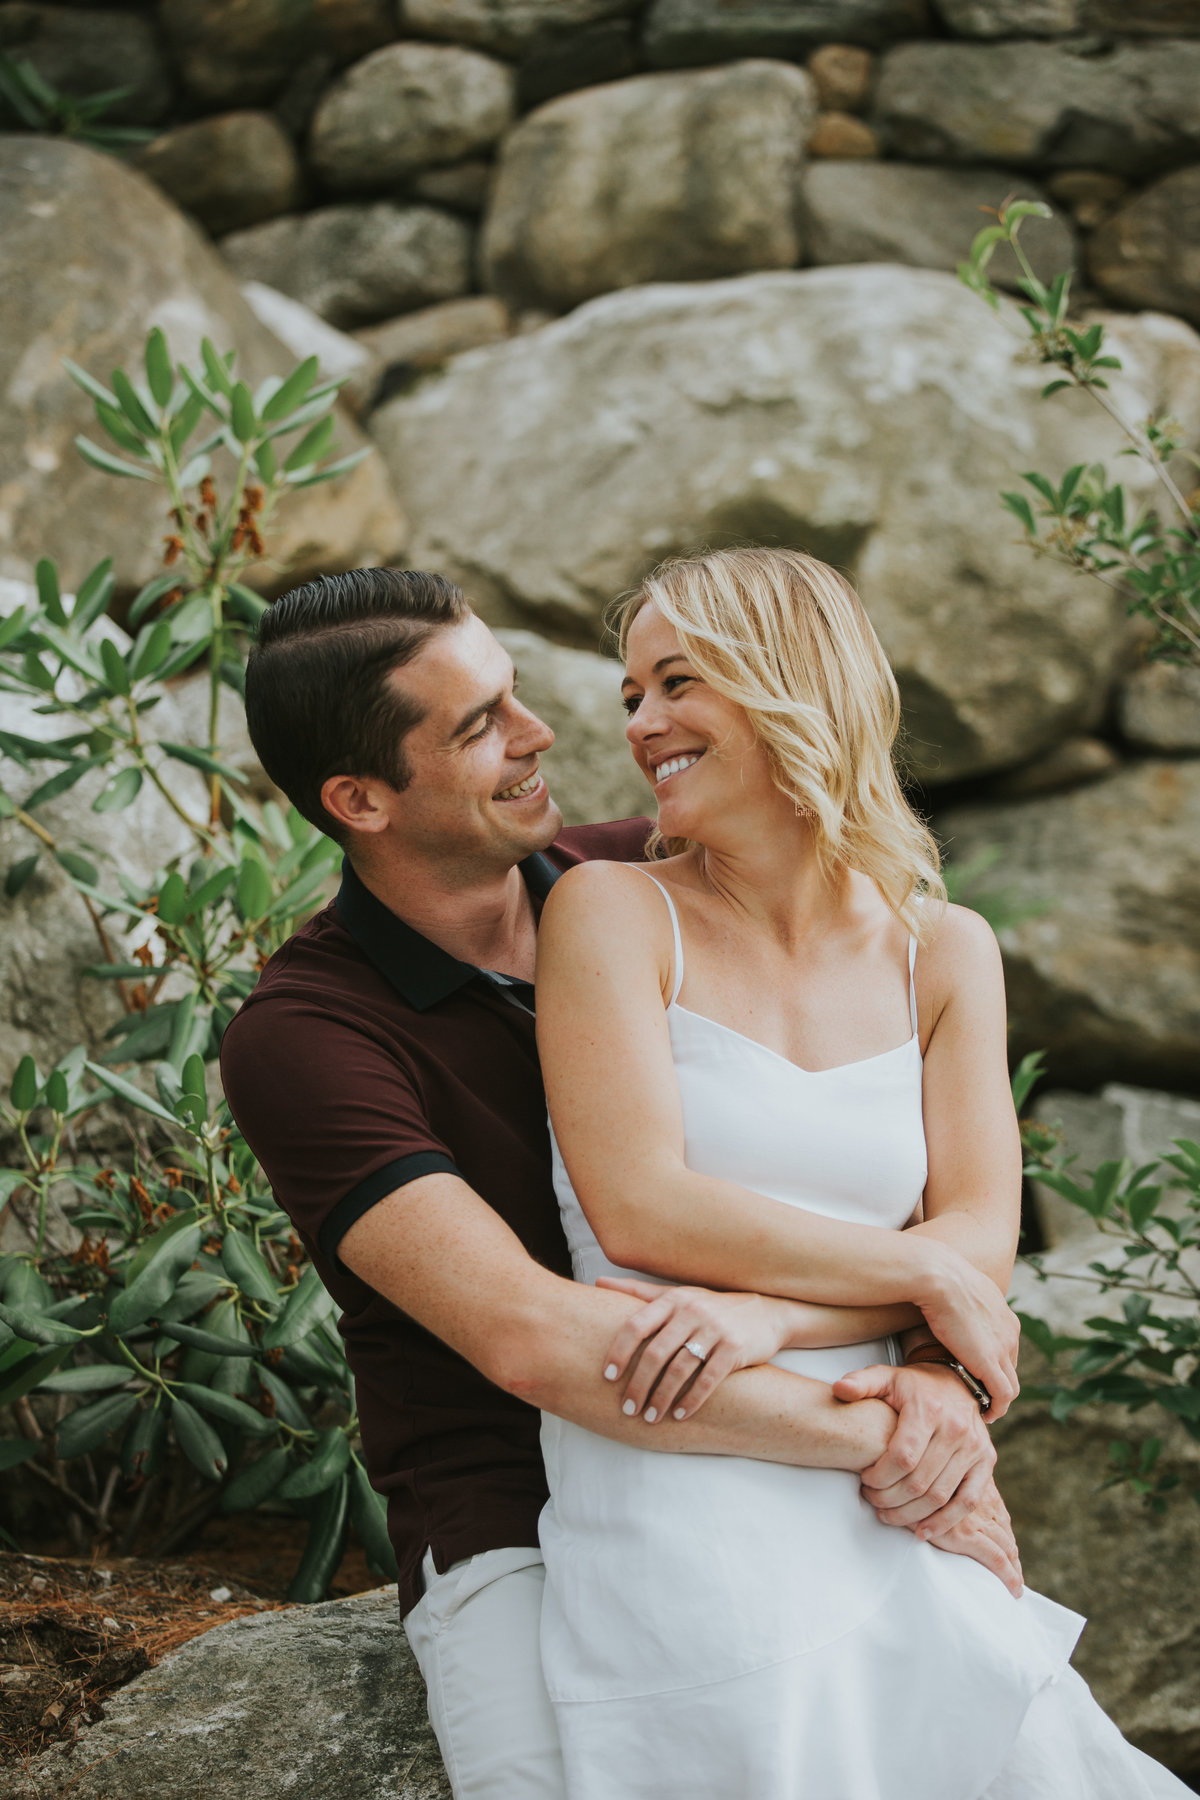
column 813, row 1327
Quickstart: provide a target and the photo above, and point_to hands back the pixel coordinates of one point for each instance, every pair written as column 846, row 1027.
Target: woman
column 756, row 1082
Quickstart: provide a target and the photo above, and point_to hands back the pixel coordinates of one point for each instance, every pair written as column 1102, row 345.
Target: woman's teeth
column 521, row 788
column 676, row 763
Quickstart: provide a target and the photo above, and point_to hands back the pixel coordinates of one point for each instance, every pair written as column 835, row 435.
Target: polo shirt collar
column 420, row 971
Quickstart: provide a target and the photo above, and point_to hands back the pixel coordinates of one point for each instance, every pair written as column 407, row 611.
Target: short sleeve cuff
column 374, row 1188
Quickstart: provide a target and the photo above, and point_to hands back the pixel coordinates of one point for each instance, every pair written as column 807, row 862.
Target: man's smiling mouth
column 520, row 790
column 675, row 765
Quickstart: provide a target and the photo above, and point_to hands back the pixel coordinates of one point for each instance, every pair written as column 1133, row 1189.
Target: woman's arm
column 604, row 960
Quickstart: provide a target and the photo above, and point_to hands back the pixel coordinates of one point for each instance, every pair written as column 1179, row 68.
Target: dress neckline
column 859, row 1062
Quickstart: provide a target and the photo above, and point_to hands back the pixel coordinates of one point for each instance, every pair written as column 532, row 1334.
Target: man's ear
column 357, row 802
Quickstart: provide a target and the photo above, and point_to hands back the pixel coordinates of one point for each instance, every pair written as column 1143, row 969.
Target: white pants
column 475, row 1634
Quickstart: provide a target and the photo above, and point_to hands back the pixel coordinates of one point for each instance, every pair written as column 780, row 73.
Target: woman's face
column 696, row 748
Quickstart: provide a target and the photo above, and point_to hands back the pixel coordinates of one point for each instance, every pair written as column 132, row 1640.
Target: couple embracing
column 680, row 1406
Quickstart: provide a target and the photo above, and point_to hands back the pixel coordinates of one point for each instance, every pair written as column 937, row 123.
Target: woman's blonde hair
column 787, row 638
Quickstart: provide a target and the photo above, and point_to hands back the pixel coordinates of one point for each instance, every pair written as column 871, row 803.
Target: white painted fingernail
column 680, row 1412
column 611, row 1373
column 630, row 1407
column 651, row 1414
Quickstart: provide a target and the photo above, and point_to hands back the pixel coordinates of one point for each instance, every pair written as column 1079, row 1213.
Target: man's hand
column 986, row 1535
column 938, row 1466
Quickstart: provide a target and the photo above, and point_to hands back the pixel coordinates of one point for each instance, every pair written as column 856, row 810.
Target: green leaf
column 241, row 407
column 144, row 1449
column 287, row 1407
column 46, row 576
column 225, row 1407
column 25, row 1086
column 201, row 759
column 125, row 1090
column 1184, row 1402
column 204, row 896
column 158, row 367
column 172, row 900
column 94, row 594
column 246, row 602
column 130, row 404
column 368, row 1515
column 119, row 793
column 37, row 1328
column 16, row 1450
column 151, row 649
column 1028, row 1072
column 88, row 383
column 87, row 1378
column 12, row 627
column 307, row 1305
column 62, row 782
column 254, row 891
column 187, row 417
column 257, row 1481
column 87, row 1427
column 156, row 1244
column 171, row 1253
column 77, row 867
column 215, row 369
column 198, row 1441
column 1054, row 387
column 332, row 470
column 110, row 464
column 19, row 873
column 199, row 1339
column 57, row 1093
column 328, row 1464
column 291, row 394
column 28, row 1374
column 244, row 1265
column 116, row 673
column 264, row 462
column 313, row 445
column 323, row 1547
column 120, row 431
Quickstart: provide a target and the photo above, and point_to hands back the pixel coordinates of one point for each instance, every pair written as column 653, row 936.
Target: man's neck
column 486, row 919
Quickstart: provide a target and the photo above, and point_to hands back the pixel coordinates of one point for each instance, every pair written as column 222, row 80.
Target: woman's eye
column 674, row 681
column 631, row 703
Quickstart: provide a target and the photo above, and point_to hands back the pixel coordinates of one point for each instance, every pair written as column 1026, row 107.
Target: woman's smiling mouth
column 674, row 765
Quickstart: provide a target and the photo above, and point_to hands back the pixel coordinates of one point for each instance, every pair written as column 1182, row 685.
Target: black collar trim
column 420, row 971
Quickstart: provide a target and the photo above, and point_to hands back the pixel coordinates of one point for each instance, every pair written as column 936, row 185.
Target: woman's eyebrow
column 662, row 663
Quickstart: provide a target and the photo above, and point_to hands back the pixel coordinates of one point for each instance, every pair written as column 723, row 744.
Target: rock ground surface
column 785, row 408
column 1148, row 252
column 229, row 172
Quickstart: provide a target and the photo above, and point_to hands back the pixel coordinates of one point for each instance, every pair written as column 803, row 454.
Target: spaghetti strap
column 678, row 983
column 912, row 985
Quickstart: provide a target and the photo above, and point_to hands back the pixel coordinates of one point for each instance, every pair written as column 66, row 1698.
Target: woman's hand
column 969, row 1315
column 736, row 1331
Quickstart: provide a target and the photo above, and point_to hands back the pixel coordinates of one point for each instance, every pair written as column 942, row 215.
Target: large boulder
column 242, row 52
column 301, row 1704
column 871, row 415
column 1105, row 973
column 1060, row 18
column 94, row 256
column 1148, row 252
column 515, row 28
column 357, row 262
column 702, row 31
column 81, row 52
column 660, row 177
column 590, row 770
column 1158, row 707
column 1030, row 105
column 898, row 212
column 404, row 108
column 232, row 171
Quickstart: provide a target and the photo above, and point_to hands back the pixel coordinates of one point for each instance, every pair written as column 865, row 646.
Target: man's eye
column 483, row 730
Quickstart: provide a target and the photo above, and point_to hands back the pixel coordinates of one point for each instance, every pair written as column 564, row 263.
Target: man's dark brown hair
column 318, row 701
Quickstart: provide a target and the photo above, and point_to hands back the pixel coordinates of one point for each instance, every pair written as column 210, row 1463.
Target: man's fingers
column 865, row 1384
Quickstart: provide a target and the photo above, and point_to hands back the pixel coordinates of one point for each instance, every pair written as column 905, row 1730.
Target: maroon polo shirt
column 366, row 1057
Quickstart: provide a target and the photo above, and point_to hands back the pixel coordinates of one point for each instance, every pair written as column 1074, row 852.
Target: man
column 385, row 1073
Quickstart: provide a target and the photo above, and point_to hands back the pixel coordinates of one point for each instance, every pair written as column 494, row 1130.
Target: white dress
column 715, row 1628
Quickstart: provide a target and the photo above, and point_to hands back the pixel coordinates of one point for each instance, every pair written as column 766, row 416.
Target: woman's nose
column 645, row 723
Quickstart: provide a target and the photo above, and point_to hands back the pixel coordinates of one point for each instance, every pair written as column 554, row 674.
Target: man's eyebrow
column 662, row 663
column 476, row 712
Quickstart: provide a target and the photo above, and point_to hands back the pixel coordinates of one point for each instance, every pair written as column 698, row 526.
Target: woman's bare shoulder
column 960, row 957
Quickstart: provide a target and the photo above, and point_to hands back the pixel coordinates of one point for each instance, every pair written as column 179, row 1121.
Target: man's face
column 476, row 796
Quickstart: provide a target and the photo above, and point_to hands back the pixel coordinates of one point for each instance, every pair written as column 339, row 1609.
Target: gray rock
column 404, row 108
column 895, row 212
column 870, row 414
column 422, row 340
column 838, row 135
column 338, row 355
column 1090, row 194
column 1012, row 18
column 515, row 28
column 682, row 32
column 843, row 74
column 1047, row 106
column 357, row 262
column 242, row 52
column 464, row 187
column 607, row 51
column 1148, row 252
column 81, row 53
column 659, row 177
column 1130, row 1574
column 590, row 770
column 1070, row 764
column 1158, row 707
column 95, row 255
column 1105, row 977
column 301, row 1704
column 229, row 172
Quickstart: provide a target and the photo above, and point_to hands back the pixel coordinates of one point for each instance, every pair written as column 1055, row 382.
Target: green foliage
column 966, row 886
column 1085, row 519
column 43, row 108
column 1150, row 1355
column 180, row 1354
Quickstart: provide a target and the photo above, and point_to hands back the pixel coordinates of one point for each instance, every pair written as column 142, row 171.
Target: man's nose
column 529, row 734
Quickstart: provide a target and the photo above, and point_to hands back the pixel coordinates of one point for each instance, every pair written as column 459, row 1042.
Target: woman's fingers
column 636, row 1329
column 677, row 1376
column 666, row 1346
column 722, row 1362
column 939, row 1481
column 965, row 1499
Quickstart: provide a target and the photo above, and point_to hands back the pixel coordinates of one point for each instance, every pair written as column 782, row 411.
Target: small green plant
column 43, row 108
column 169, row 1350
column 1148, row 1357
column 1086, row 520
